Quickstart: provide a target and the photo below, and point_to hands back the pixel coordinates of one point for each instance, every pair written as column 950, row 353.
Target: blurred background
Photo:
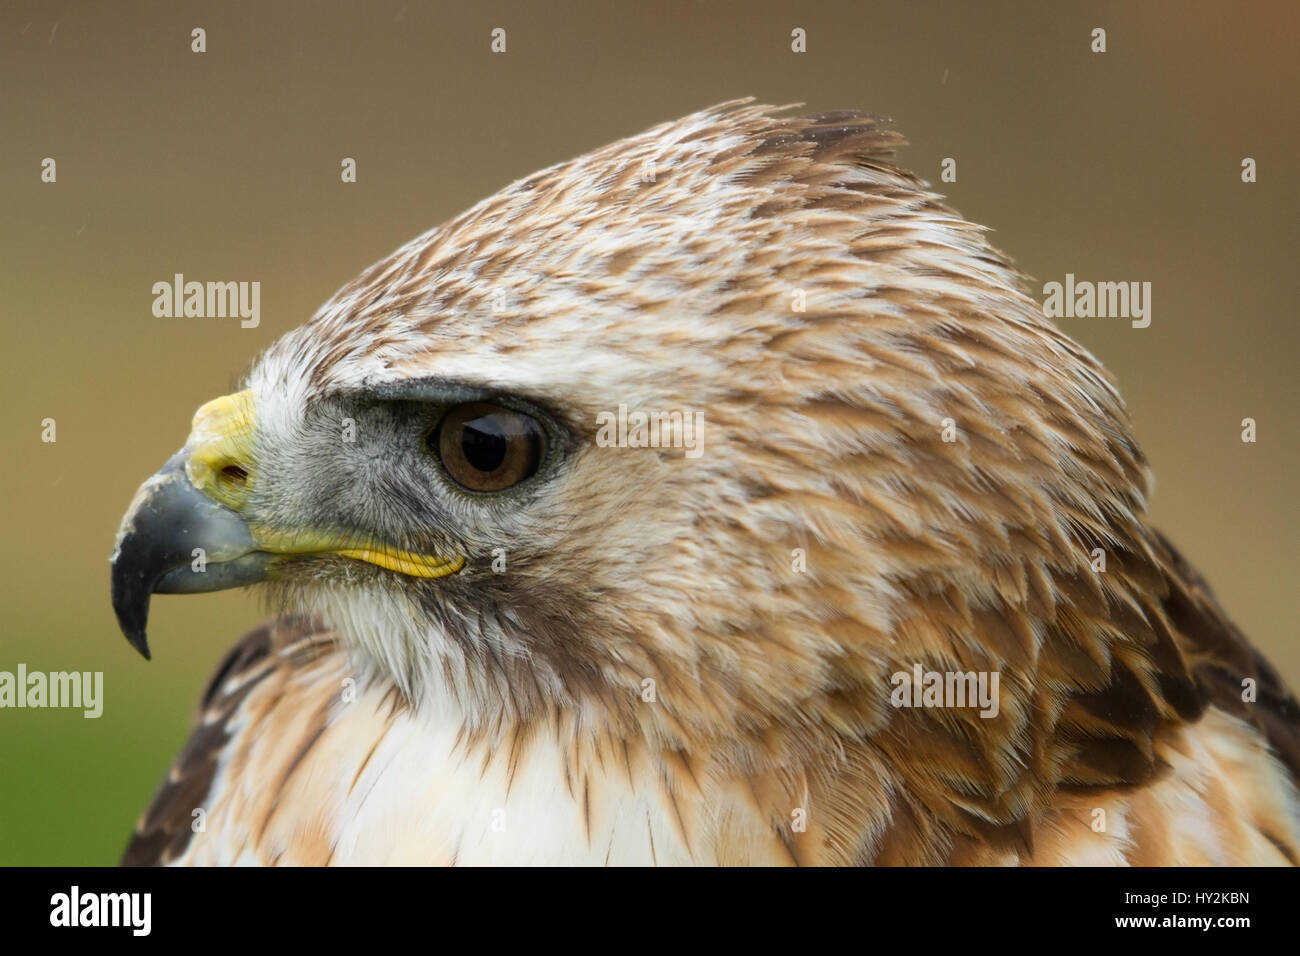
column 225, row 166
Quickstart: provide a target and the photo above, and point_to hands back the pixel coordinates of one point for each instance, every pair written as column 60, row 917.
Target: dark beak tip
column 130, row 593
column 141, row 644
column 134, row 631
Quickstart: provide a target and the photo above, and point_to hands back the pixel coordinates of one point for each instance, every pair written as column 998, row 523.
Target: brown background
column 225, row 166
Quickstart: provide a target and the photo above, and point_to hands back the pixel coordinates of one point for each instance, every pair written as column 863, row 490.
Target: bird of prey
column 513, row 633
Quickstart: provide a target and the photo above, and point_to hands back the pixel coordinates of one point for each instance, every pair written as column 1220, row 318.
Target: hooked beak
column 185, row 531
column 169, row 537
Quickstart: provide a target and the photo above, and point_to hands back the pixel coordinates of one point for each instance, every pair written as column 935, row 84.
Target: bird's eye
column 485, row 447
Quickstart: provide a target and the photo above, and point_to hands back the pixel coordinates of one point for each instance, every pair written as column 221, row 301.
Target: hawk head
column 866, row 448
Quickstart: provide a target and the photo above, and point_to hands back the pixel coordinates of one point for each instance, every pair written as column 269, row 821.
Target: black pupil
column 483, row 442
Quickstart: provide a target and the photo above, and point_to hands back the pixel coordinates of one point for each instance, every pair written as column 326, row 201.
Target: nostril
column 234, row 475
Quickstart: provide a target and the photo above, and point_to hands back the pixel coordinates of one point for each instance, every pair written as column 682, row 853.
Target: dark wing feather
column 1114, row 673
column 1221, row 658
column 165, row 829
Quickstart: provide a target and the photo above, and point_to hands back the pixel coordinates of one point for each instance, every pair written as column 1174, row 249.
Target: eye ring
column 485, row 447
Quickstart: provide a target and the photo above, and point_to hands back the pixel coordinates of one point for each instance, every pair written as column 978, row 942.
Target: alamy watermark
column 208, row 300
column 82, row 690
column 656, row 429
column 922, row 688
column 133, row 911
column 1102, row 300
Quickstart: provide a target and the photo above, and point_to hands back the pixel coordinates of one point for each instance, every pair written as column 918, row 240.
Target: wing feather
column 165, row 830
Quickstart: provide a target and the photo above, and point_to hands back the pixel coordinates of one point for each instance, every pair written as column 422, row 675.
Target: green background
column 225, row 165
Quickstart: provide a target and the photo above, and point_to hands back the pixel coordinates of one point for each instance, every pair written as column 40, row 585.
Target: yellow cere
column 221, row 440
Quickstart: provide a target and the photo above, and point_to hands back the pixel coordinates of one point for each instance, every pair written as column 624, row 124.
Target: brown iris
column 486, row 447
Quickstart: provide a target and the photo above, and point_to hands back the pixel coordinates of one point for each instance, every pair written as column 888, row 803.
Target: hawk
column 504, row 640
